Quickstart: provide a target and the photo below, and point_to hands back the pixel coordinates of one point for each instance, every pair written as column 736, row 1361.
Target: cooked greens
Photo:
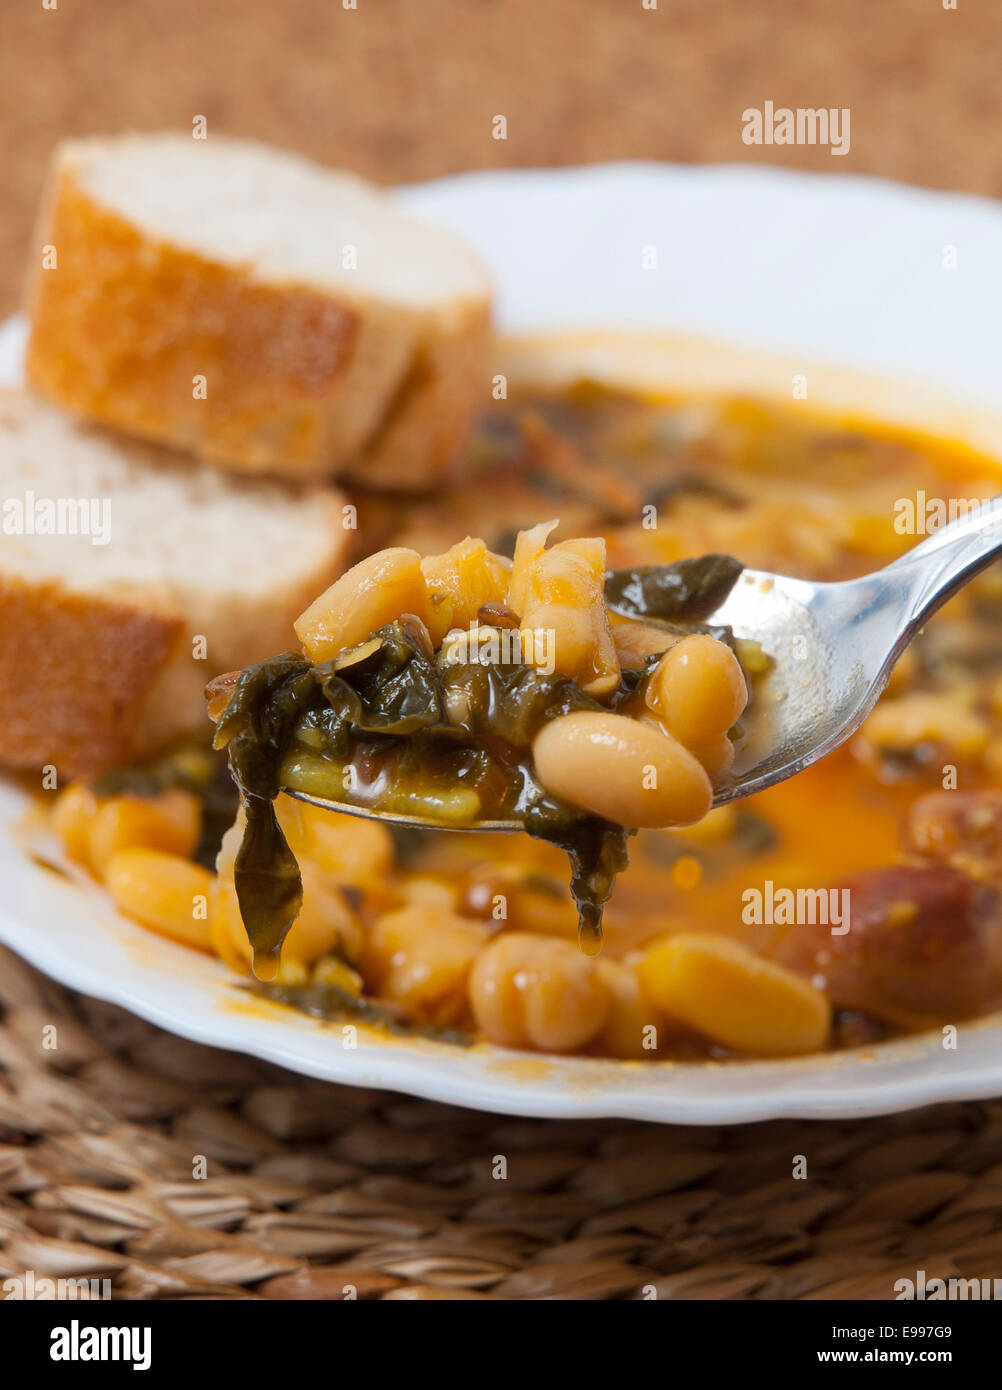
column 256, row 728
column 333, row 1004
column 389, row 699
column 392, row 709
column 687, row 591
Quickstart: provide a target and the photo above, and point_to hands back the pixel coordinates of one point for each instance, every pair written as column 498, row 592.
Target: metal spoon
column 833, row 647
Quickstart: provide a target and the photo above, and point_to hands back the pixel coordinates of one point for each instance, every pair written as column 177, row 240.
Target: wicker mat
column 314, row 1191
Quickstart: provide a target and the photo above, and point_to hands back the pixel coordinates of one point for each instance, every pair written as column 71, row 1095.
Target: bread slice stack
column 227, row 311
column 255, row 309
column 161, row 574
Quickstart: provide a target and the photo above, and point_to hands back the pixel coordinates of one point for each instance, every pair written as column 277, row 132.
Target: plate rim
column 221, row 1029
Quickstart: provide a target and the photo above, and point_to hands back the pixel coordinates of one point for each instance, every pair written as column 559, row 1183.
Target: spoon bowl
column 833, row 647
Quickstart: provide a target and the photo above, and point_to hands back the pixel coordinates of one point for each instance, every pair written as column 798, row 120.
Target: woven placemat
column 315, row 1191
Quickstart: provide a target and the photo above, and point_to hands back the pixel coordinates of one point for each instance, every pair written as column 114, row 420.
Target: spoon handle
column 932, row 571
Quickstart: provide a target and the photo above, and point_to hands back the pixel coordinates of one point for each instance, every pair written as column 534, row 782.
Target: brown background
column 406, row 89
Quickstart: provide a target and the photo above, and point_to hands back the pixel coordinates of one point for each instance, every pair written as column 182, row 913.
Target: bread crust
column 420, row 439
column 297, row 380
column 75, row 670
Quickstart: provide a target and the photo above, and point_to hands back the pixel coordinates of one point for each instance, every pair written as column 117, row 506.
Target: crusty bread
column 99, row 643
column 179, row 259
column 427, row 420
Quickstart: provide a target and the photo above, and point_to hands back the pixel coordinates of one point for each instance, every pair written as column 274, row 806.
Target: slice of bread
column 254, row 308
column 156, row 561
column 430, row 416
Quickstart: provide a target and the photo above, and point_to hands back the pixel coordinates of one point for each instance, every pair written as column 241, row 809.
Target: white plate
column 802, row 269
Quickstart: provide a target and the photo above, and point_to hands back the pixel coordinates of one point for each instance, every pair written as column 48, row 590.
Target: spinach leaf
column 511, row 702
column 256, row 728
column 597, row 853
column 394, row 689
column 331, row 1003
column 687, row 591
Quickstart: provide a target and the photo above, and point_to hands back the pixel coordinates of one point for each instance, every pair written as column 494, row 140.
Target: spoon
column 833, row 648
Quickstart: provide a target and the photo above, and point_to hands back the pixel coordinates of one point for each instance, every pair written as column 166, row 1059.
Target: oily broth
column 781, row 489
